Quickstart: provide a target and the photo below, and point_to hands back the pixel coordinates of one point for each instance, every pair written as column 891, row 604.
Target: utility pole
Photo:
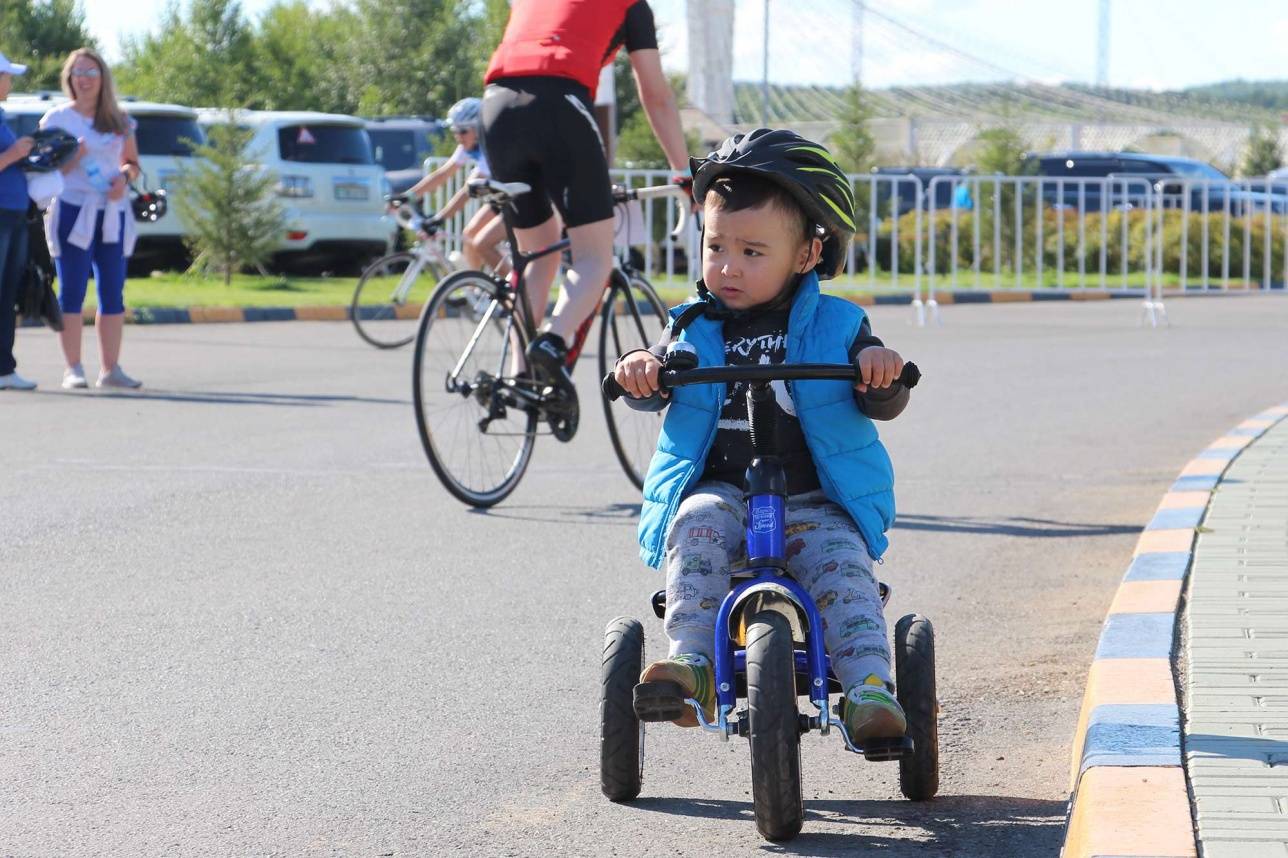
column 1102, row 47
column 764, row 74
column 856, row 41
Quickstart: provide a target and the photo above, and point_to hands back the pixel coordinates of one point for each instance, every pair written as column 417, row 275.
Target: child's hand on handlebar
column 878, row 368
column 637, row 373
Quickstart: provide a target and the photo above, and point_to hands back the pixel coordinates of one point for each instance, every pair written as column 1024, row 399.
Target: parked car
column 401, row 144
column 166, row 134
column 906, row 197
column 1209, row 189
column 330, row 187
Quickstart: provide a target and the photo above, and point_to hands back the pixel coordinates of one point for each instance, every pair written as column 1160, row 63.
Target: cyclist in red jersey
column 539, row 128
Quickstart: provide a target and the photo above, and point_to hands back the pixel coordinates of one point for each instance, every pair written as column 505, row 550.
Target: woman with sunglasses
column 89, row 227
column 485, row 230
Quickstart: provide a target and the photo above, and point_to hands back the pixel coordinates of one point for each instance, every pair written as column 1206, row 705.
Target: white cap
column 11, row 68
column 43, row 187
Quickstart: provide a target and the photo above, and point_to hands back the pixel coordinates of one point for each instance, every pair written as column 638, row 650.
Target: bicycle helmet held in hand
column 464, row 114
column 148, row 206
column 51, row 148
column 805, row 169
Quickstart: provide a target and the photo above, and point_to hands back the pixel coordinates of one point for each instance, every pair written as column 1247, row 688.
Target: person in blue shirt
column 778, row 214
column 13, row 231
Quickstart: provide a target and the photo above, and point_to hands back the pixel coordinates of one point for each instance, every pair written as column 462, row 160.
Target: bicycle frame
column 516, row 282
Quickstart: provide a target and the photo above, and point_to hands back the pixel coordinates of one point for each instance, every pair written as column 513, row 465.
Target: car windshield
column 324, row 144
column 167, row 135
column 394, row 150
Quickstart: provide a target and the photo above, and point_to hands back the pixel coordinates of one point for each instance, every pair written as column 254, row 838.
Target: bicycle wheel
column 389, row 298
column 473, row 409
column 633, row 318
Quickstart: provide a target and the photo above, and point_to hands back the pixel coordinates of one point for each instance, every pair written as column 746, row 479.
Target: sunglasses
column 90, row 73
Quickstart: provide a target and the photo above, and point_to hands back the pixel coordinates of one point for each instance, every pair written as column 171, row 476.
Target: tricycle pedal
column 885, row 750
column 659, row 701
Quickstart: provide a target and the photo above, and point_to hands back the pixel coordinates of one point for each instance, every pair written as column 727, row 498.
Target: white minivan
column 166, row 134
column 329, row 185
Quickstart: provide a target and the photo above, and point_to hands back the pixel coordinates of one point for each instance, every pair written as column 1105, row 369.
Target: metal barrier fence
column 1040, row 234
column 1128, row 234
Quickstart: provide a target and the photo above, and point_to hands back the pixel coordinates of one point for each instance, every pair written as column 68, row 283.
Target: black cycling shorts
column 542, row 131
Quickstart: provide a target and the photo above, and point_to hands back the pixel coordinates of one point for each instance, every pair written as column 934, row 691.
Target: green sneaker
column 870, row 711
column 666, row 684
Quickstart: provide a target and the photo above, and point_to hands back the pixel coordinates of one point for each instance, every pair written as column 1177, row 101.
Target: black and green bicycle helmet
column 803, row 168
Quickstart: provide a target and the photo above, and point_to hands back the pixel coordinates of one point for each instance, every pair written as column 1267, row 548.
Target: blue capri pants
column 74, row 264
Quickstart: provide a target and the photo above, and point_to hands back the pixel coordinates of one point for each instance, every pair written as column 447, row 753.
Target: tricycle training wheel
column 621, row 735
column 914, row 652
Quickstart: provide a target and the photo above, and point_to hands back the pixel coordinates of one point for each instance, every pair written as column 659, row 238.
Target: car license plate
column 352, row 189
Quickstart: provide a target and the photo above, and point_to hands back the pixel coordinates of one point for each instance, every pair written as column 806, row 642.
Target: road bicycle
column 479, row 408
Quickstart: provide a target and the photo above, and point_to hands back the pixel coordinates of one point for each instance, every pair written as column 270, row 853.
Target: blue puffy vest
column 853, row 466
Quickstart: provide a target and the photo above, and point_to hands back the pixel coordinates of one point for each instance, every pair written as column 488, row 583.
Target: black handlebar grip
column 612, row 390
column 910, row 375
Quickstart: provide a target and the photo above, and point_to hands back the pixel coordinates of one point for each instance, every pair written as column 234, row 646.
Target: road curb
column 1128, row 792
column 342, row 313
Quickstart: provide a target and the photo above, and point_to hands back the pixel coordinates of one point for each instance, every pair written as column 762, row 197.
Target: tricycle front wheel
column 774, row 727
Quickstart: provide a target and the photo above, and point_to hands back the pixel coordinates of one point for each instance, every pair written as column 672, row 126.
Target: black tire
column 775, row 727
column 621, row 733
column 914, row 653
column 382, row 319
column 633, row 318
column 478, row 468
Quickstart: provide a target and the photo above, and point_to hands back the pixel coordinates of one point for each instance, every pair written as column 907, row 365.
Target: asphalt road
column 239, row 616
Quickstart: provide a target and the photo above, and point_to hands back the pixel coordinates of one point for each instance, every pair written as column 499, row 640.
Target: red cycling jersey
column 560, row 38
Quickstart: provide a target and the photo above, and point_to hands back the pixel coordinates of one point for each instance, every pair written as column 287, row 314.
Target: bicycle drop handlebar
column 669, row 378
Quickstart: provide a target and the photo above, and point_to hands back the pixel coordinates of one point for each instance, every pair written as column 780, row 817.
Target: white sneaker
column 117, row 378
column 74, row 377
column 13, row 381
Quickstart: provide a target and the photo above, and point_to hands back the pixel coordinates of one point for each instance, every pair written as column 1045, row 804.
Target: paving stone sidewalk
column 1236, row 652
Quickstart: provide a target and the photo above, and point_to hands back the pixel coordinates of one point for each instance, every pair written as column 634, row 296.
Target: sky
column 1154, row 44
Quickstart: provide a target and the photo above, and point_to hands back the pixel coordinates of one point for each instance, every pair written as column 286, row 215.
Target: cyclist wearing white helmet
column 485, row 230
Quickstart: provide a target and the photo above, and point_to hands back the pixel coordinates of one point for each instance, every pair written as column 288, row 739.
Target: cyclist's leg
column 592, row 262
column 540, row 273
column 483, row 233
column 513, row 119
column 576, row 176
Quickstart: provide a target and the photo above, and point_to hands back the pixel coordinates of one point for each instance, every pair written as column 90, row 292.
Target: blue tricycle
column 769, row 643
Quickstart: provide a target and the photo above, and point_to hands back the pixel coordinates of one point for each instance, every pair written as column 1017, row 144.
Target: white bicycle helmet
column 464, row 114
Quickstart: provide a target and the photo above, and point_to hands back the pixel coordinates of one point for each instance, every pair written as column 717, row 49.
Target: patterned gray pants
column 825, row 552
